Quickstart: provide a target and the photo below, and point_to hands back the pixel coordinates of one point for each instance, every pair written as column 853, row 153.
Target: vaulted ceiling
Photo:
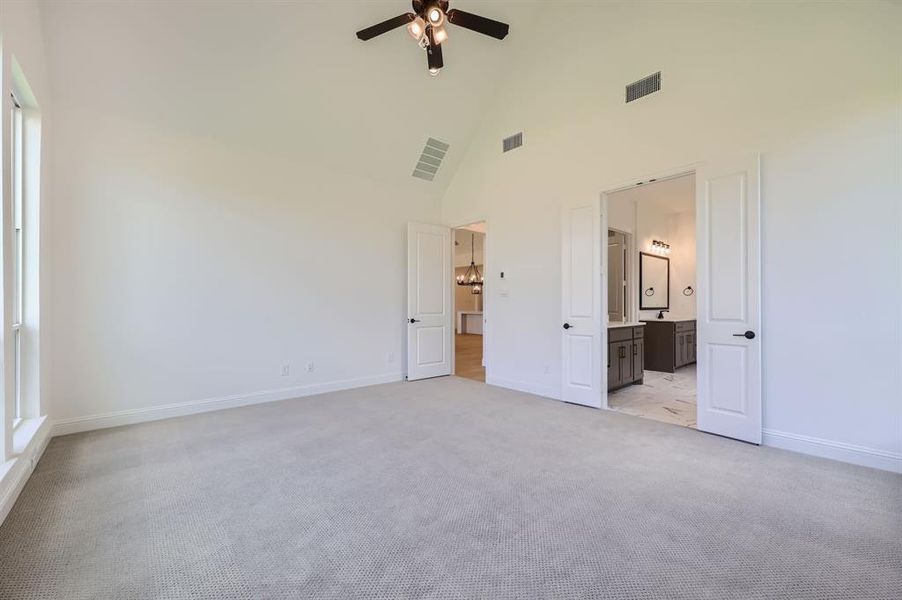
column 286, row 77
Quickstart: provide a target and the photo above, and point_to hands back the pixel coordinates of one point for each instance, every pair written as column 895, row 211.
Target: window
column 18, row 173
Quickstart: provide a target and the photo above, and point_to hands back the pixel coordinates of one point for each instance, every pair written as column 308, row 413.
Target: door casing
column 485, row 296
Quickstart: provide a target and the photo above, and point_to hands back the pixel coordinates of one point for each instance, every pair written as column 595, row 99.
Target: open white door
column 429, row 305
column 581, row 305
column 728, row 206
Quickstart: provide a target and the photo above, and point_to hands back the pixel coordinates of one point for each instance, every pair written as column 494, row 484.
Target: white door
column 728, row 206
column 429, row 304
column 581, row 321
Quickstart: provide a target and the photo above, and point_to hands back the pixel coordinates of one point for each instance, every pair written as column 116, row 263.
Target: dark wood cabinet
column 670, row 345
column 626, row 357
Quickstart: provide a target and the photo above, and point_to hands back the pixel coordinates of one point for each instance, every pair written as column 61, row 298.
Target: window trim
column 17, row 189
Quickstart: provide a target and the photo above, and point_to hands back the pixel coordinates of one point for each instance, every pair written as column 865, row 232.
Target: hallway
column 468, row 353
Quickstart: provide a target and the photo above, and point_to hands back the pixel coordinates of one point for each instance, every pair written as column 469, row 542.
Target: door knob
column 567, row 325
column 414, row 321
column 749, row 335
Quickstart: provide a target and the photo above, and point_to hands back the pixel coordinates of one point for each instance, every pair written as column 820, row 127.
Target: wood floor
column 468, row 362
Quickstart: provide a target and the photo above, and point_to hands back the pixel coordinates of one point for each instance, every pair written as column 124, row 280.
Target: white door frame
column 634, row 309
column 485, row 296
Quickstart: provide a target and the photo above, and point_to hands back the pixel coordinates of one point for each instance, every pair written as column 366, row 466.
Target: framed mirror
column 654, row 282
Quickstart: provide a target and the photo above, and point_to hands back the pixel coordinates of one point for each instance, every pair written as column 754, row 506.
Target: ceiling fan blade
column 434, row 53
column 385, row 26
column 490, row 27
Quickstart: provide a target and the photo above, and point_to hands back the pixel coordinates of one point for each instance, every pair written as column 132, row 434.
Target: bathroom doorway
column 651, row 329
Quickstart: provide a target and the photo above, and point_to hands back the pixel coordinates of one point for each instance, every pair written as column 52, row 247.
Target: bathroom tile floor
column 667, row 397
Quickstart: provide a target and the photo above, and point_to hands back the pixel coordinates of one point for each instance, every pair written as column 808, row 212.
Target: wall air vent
column 430, row 159
column 514, row 141
column 643, row 87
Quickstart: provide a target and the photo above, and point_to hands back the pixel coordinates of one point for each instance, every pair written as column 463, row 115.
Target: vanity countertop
column 671, row 319
column 615, row 325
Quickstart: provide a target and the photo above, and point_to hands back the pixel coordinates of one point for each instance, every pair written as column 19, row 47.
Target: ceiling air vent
column 431, row 159
column 643, row 87
column 514, row 141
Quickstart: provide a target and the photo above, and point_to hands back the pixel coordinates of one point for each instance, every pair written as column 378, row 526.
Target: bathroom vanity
column 626, row 356
column 669, row 344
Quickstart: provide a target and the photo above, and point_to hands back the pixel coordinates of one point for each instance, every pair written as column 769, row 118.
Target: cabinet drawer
column 685, row 326
column 638, row 332
column 620, row 334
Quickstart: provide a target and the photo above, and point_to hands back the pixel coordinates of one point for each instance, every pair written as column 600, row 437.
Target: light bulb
column 433, row 72
column 416, row 28
column 439, row 34
column 435, row 15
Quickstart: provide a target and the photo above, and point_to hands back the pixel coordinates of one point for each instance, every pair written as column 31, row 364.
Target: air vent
column 643, row 87
column 514, row 141
column 430, row 159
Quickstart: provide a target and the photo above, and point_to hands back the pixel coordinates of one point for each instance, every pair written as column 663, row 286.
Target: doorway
column 652, row 344
column 469, row 283
column 725, row 343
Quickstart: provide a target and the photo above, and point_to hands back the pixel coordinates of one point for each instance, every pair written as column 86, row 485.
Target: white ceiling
column 287, row 77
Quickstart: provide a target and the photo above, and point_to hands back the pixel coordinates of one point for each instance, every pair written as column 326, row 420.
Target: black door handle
column 567, row 325
column 749, row 335
column 414, row 321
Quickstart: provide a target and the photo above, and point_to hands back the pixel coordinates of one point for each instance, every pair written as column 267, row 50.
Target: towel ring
column 650, row 291
column 688, row 291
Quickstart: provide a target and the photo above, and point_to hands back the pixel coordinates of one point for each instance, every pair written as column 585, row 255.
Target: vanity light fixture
column 659, row 247
column 472, row 277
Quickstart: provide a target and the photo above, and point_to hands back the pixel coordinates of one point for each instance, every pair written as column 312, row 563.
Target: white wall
column 193, row 261
column 681, row 237
column 463, row 253
column 815, row 88
column 191, row 270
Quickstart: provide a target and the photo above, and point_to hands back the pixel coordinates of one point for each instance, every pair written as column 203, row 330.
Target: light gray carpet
column 443, row 489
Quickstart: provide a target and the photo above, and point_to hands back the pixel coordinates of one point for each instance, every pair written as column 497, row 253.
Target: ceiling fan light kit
column 426, row 24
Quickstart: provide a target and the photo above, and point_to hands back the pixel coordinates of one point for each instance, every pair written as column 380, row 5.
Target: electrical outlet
column 390, row 357
column 310, row 367
column 286, row 369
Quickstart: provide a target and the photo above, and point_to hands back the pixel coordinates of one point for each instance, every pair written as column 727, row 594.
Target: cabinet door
column 677, row 350
column 625, row 362
column 638, row 359
column 613, row 366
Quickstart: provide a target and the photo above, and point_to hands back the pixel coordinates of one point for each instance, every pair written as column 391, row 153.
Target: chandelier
column 472, row 277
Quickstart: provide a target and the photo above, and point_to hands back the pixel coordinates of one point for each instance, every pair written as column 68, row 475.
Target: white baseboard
column 180, row 409
column 15, row 472
column 525, row 386
column 850, row 453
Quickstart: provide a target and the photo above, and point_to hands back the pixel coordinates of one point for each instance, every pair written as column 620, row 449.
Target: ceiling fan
column 426, row 24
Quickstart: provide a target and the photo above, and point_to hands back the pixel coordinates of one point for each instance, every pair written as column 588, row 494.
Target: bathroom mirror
column 654, row 282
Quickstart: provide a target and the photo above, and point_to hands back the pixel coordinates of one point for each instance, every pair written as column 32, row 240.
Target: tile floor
column 667, row 397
